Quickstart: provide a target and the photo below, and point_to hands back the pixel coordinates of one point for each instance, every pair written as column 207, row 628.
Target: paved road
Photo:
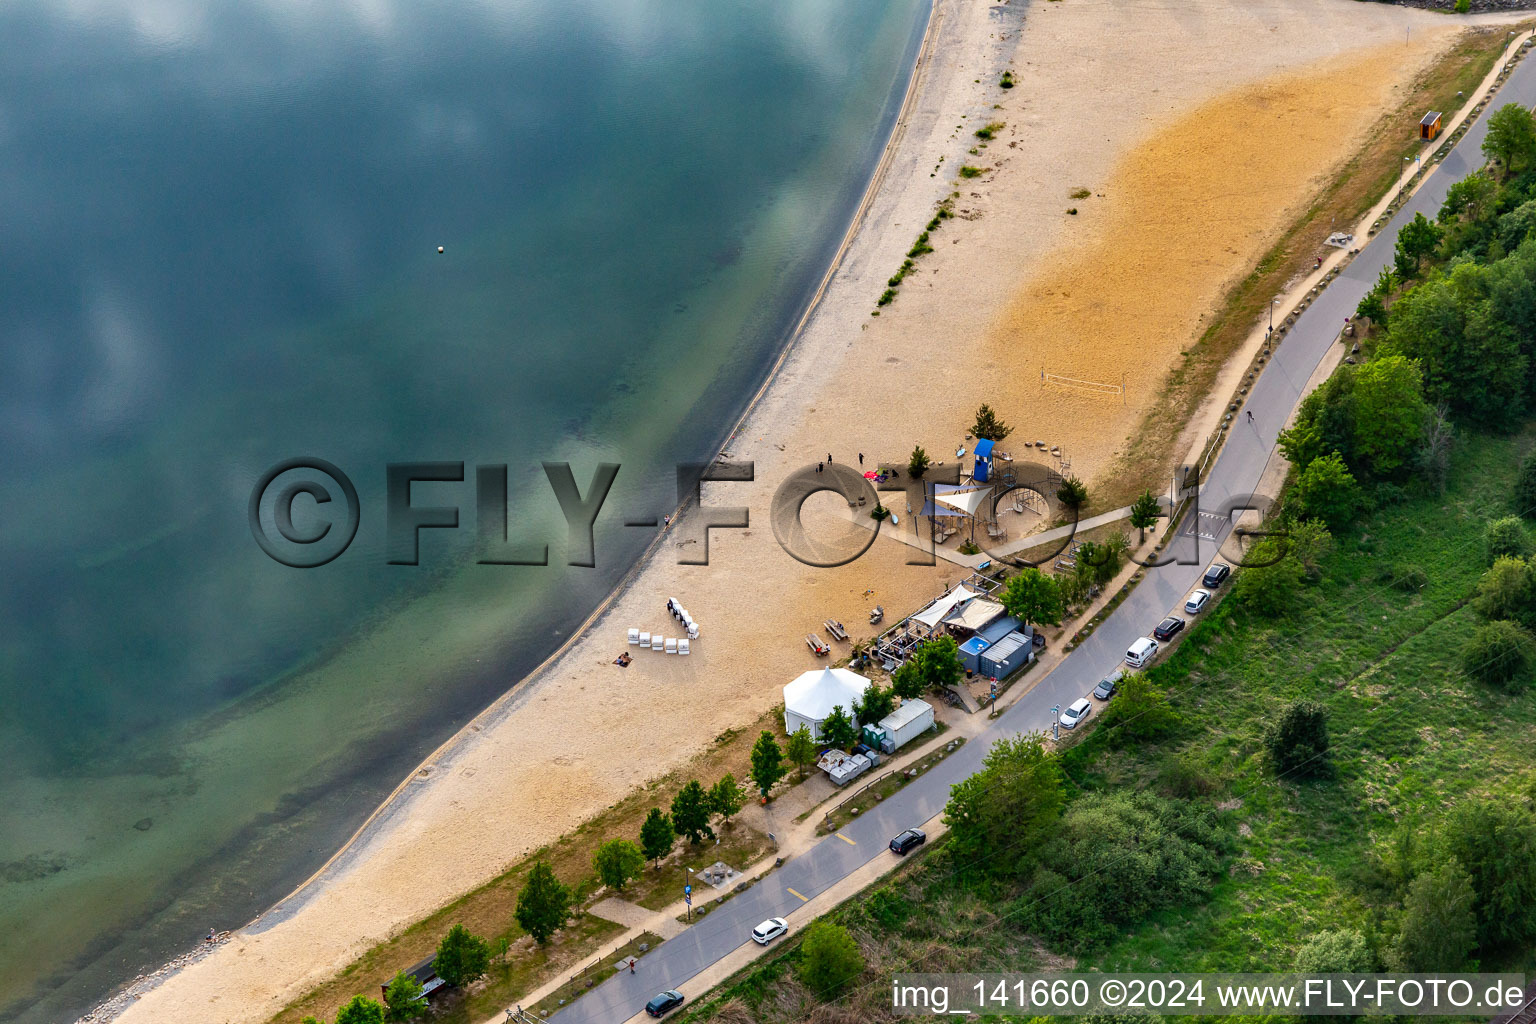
column 1236, row 472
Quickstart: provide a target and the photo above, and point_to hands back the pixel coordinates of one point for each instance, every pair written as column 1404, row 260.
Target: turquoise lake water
column 220, row 226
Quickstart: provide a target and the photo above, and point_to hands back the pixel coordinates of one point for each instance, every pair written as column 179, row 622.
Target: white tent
column 934, row 613
column 966, row 501
column 975, row 615
column 810, row 698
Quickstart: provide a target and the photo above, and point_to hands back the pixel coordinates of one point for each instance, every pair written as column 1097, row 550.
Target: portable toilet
column 983, row 470
column 875, row 738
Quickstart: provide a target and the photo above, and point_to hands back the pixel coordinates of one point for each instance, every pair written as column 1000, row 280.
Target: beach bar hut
column 983, row 471
column 810, row 698
column 426, row 975
column 1429, row 128
column 905, row 724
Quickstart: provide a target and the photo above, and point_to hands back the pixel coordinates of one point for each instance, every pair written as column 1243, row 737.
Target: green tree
column 1298, row 741
column 1139, row 712
column 1507, row 591
column 1327, row 490
column 725, row 797
column 1506, row 537
column 1032, row 596
column 988, row 426
column 829, row 958
column 1390, row 414
column 543, row 904
column 462, row 956
column 998, row 816
column 1437, row 931
column 838, row 730
column 1498, row 653
column 1496, row 843
column 918, row 464
column 1416, row 240
column 691, row 812
column 1342, row 952
column 311, row 1020
column 1072, row 493
column 361, row 1010
column 1099, row 562
column 1372, row 308
column 617, row 861
column 768, row 761
column 875, row 704
column 801, row 751
column 907, row 681
column 938, row 662
column 1145, row 512
column 1310, row 542
column 1271, row 581
column 404, row 998
column 1471, row 195
column 1511, row 137
column 657, row 836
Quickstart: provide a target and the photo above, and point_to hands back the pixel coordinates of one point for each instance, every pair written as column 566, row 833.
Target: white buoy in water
column 439, row 248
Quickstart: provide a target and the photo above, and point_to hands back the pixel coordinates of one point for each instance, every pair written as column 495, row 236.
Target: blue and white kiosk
column 983, row 471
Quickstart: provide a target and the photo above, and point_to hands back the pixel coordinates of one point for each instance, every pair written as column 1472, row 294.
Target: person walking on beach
column 861, row 458
column 819, row 465
column 1250, row 415
column 829, row 458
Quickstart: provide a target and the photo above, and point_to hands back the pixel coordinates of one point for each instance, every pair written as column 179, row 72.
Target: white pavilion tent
column 810, row 698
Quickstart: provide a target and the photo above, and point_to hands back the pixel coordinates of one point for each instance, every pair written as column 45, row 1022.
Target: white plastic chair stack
column 682, row 647
column 671, row 646
column 634, row 637
column 645, row 641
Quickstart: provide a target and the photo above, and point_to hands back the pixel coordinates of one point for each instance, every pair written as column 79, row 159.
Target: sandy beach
column 1199, row 128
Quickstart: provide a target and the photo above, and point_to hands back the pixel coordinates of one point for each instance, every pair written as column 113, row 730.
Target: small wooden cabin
column 1429, row 128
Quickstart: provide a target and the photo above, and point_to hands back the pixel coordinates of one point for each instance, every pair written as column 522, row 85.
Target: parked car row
column 1139, row 655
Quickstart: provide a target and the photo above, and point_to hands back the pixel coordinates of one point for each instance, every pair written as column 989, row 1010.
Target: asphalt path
column 1234, row 476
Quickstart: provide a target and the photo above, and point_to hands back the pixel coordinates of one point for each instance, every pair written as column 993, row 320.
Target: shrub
column 361, row 1010
column 888, row 908
column 1138, row 713
column 972, row 172
column 997, row 816
column 988, row 131
column 1496, row 844
column 1298, row 741
column 917, row 463
column 829, row 958
column 1122, row 856
column 1269, row 590
column 1507, row 591
column 1506, row 538
column 1081, row 193
column 1327, row 490
column 1498, row 652
column 1072, row 493
column 1463, row 6
column 1437, row 931
column 1007, row 80
column 1524, row 498
column 1341, row 952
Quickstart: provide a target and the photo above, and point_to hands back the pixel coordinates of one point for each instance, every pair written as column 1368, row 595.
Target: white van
column 1141, row 652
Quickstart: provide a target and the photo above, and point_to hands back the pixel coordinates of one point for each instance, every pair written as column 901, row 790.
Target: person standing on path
column 861, row 458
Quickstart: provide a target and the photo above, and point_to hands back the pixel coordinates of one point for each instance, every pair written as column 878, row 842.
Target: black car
column 1168, row 627
column 908, row 841
column 1108, row 685
column 668, row 1000
column 1216, row 575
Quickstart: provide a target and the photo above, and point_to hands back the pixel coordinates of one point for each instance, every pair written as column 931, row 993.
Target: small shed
column 810, row 698
column 424, row 973
column 1007, row 656
column 1429, row 128
column 906, row 723
column 983, row 470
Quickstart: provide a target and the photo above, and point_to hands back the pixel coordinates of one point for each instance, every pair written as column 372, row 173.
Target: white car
column 1197, row 602
column 1080, row 709
column 769, row 930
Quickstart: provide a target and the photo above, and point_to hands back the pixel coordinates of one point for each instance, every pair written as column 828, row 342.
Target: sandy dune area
column 1200, row 127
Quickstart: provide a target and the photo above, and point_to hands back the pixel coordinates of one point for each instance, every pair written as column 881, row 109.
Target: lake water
column 220, row 225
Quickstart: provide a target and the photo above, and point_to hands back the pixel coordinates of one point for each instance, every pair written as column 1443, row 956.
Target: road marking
column 845, row 839
column 803, row 899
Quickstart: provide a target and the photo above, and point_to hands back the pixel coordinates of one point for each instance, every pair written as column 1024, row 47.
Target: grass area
column 1150, row 456
column 488, row 909
column 892, row 783
column 597, row 972
column 739, row 847
column 1412, row 736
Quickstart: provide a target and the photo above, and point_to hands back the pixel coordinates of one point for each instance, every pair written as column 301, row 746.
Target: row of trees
column 462, row 958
